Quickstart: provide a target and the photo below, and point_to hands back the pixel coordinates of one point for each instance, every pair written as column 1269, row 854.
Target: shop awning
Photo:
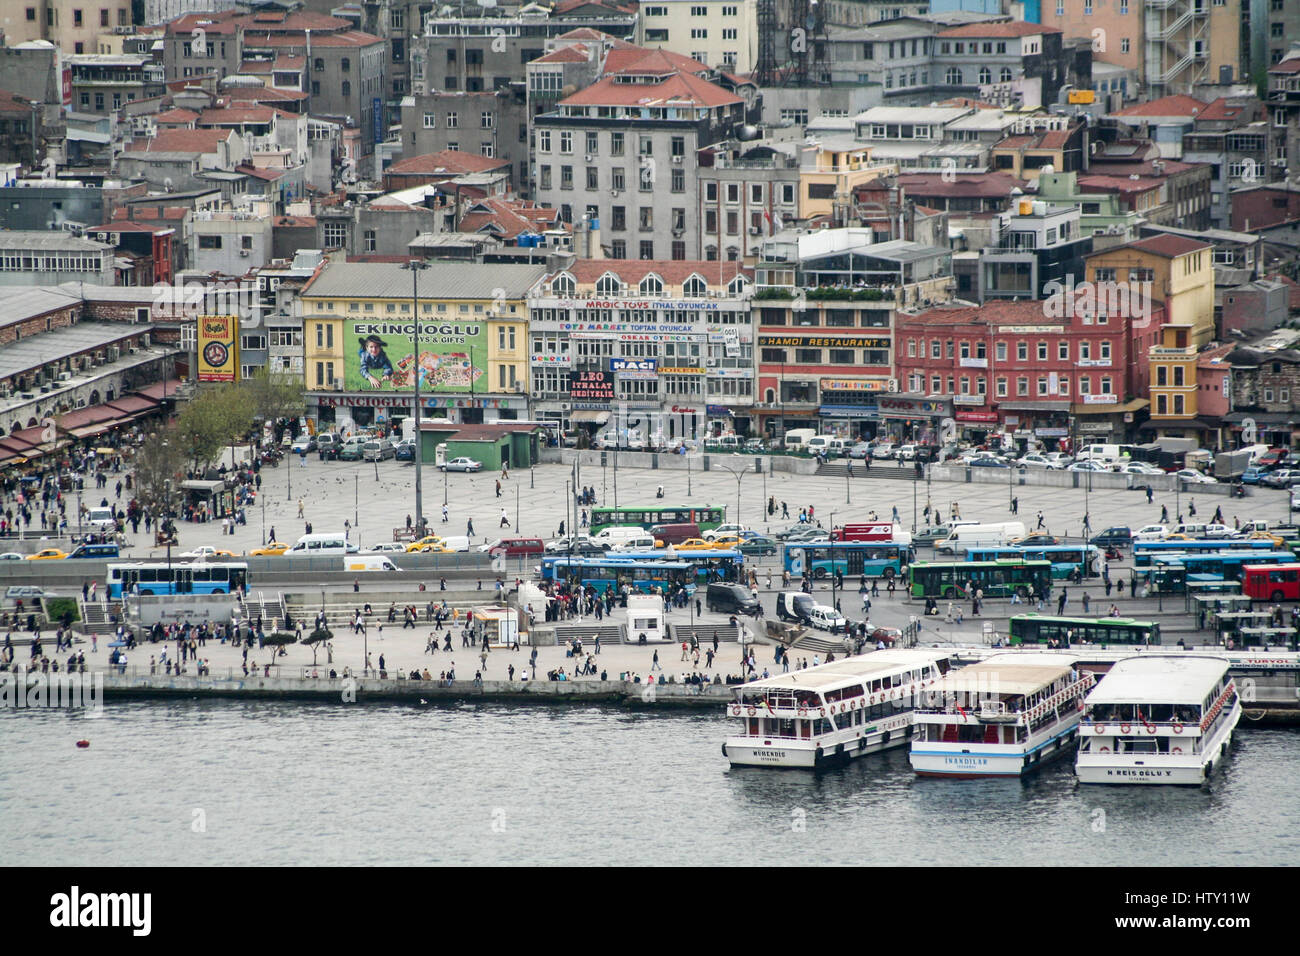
column 1263, row 418
column 1133, row 405
column 161, row 390
column 1194, row 424
column 83, row 417
column 589, row 415
column 132, row 405
column 90, row 431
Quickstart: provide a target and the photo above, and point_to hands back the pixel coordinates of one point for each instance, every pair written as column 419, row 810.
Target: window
column 485, row 120
column 1042, row 351
column 593, row 178
column 453, row 121
column 615, row 144
column 1063, row 351
column 618, row 249
column 1000, row 351
column 347, row 88
column 1124, row 45
column 1042, row 385
column 545, row 177
column 1022, row 385
column 617, row 179
column 566, row 141
column 647, row 249
column 936, row 349
column 430, row 120
column 1105, row 274
column 986, row 75
column 543, row 140
column 566, row 177
column 1006, row 75
column 1001, row 387
column 678, row 184
column 953, row 76
column 1178, row 405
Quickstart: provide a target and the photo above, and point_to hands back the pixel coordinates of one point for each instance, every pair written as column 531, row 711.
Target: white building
column 722, row 34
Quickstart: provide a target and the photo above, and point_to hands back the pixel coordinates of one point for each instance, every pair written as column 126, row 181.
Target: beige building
column 722, row 34
column 1180, row 272
column 1172, row 44
column 74, row 26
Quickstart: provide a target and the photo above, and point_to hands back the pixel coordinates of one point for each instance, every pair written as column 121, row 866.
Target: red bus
column 1272, row 582
column 879, row 531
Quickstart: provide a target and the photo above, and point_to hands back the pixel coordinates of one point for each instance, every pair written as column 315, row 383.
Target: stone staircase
column 725, row 633
column 586, row 633
column 838, row 468
column 95, row 616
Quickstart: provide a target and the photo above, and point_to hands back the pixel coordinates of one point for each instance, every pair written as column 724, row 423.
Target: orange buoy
column 83, row 743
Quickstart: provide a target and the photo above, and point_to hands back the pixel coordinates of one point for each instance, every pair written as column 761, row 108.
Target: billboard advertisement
column 591, row 389
column 380, row 356
column 218, row 358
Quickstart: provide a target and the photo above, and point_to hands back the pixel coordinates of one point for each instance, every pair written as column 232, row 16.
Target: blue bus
column 1171, row 573
column 1065, row 558
column 1144, row 550
column 821, row 559
column 160, row 577
column 710, row 565
column 605, row 574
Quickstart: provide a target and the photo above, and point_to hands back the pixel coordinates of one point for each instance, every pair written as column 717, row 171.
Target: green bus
column 948, row 579
column 707, row 517
column 1068, row 631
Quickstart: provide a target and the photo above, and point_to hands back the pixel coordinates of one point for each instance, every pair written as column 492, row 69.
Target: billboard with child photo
column 381, row 356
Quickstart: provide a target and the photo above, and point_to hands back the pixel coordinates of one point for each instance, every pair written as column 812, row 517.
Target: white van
column 644, row 541
column 608, row 537
column 334, row 542
column 456, row 542
column 980, row 536
column 1256, row 452
column 826, row 618
column 100, row 519
column 1102, row 453
column 821, row 444
column 368, row 562
column 797, row 438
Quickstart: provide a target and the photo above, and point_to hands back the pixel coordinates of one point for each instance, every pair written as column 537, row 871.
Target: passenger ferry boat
column 833, row 712
column 1158, row 719
column 1002, row 717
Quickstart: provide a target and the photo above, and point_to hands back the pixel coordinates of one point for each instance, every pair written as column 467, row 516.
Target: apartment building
column 718, row 33
column 71, row 25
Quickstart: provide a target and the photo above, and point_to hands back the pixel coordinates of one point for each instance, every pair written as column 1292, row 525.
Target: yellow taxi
column 727, row 542
column 437, row 547
column 694, row 544
column 423, row 543
column 1277, row 539
column 270, row 548
column 48, row 554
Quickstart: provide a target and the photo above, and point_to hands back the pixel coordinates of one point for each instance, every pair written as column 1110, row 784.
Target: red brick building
column 1023, row 368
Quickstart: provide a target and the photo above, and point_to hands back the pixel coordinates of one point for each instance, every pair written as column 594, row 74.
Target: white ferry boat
column 832, row 712
column 1002, row 717
column 1160, row 719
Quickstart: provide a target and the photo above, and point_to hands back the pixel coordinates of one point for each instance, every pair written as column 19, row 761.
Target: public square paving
column 535, row 502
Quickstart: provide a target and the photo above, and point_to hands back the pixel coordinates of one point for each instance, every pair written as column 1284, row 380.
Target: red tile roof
column 1119, row 184
column 508, row 218
column 1168, row 245
column 267, row 175
column 1177, row 105
column 265, row 94
column 1014, row 28
column 450, row 162
column 564, row 6
column 680, row 88
column 176, row 117
column 996, row 312
column 1221, row 109
column 347, row 38
column 296, row 221
column 988, row 185
column 238, row 115
column 577, row 53
column 1290, row 65
column 638, row 60
column 183, row 141
column 11, row 102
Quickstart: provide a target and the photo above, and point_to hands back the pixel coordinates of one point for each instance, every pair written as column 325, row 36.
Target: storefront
column 977, row 425
column 1042, row 421
column 345, row 413
column 1112, row 421
column 1275, row 429
column 911, row 418
column 849, row 407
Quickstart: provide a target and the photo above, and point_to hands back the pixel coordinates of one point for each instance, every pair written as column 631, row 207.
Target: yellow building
column 1181, row 274
column 827, row 177
column 1188, row 386
column 359, row 326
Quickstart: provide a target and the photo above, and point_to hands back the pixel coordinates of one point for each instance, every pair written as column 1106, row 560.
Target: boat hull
column 1177, row 770
column 747, row 752
column 975, row 762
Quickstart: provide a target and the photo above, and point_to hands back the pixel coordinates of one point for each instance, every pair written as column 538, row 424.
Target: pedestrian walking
column 498, row 489
column 444, row 512
column 1015, row 506
column 299, row 507
column 1040, row 522
column 469, row 528
column 1061, row 601
column 505, row 520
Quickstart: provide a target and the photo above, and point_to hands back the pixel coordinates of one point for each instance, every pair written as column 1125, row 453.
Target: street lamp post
column 356, row 501
column 831, row 548
column 416, row 266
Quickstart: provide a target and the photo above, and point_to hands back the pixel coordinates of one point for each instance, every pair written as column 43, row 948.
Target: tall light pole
column 739, row 475
column 417, row 266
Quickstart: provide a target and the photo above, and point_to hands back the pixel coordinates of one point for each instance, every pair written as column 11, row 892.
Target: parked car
column 759, row 544
column 810, row 533
column 1199, row 477
column 1253, row 475
column 1281, row 478
column 12, row 556
column 1118, row 535
column 207, row 551
column 755, row 446
column 1039, row 461
column 47, row 554
column 859, row 451
column 387, row 547
column 424, row 542
column 1151, row 532
column 561, row 545
column 906, row 453
column 378, row 449
column 883, row 451
column 989, row 463
column 886, row 635
column 350, row 450
column 1036, row 540
column 328, row 445
column 303, row 445
column 694, row 544
column 1139, row 468
column 404, row 450
column 1061, row 458
column 1087, row 465
column 463, row 464
column 1272, row 458
column 826, row 618
column 723, row 529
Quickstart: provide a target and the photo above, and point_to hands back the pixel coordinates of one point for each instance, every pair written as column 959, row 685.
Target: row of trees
column 218, row 416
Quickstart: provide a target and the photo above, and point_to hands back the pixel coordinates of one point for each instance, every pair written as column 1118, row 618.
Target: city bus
column 1280, row 582
column 946, row 579
column 1040, row 629
column 605, row 574
column 1171, row 573
column 1065, row 558
column 1143, row 551
column 159, row 577
column 879, row 559
column 707, row 517
column 711, row 565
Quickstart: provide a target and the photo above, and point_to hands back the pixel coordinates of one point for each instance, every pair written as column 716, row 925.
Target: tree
column 211, row 420
column 315, row 639
column 275, row 396
column 159, row 471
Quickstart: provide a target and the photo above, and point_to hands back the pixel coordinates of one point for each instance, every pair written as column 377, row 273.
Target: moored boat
column 1163, row 719
column 1003, row 717
column 833, row 712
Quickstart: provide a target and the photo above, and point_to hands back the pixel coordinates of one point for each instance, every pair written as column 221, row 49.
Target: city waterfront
column 258, row 783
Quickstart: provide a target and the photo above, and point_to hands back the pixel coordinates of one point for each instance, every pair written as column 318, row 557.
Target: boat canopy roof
column 1162, row 679
column 1014, row 674
column 850, row 670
